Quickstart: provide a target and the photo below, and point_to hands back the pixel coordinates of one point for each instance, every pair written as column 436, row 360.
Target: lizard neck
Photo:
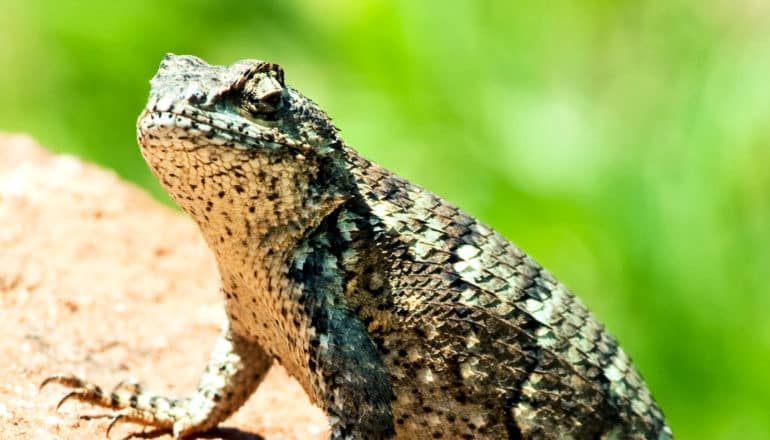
column 249, row 206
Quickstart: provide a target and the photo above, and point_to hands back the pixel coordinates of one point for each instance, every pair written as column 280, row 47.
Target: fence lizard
column 400, row 315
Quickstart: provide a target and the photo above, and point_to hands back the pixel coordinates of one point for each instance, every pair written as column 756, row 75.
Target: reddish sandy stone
column 98, row 279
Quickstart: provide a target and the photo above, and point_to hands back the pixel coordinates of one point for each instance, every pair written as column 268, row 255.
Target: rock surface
column 99, row 280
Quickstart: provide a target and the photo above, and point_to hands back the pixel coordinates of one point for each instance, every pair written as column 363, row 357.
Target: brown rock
column 99, row 280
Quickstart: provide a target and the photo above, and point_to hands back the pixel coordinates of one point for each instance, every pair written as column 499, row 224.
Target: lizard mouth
column 190, row 128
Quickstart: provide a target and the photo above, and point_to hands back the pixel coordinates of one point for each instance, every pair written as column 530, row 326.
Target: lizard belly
column 277, row 322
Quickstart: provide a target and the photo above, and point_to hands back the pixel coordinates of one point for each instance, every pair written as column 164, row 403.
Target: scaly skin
column 399, row 314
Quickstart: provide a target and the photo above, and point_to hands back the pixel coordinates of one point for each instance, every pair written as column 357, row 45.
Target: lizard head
column 239, row 150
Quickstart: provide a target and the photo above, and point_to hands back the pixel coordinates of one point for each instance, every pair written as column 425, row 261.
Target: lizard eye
column 262, row 95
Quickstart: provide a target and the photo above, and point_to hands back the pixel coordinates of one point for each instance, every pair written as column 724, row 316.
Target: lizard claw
column 69, row 380
column 123, row 401
column 115, row 419
column 68, row 396
column 81, row 390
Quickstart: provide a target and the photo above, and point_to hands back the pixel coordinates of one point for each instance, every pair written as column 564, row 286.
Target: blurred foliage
column 623, row 144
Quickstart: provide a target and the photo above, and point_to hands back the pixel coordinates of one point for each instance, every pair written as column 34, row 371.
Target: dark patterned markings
column 399, row 314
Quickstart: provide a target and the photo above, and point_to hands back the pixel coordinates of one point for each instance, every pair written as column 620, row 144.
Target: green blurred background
column 623, row 144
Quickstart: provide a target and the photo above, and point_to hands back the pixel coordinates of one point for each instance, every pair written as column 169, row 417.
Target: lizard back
column 474, row 314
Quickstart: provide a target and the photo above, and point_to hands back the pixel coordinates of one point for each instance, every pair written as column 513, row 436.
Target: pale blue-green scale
column 494, row 280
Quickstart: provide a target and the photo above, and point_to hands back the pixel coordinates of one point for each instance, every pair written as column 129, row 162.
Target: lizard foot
column 131, row 403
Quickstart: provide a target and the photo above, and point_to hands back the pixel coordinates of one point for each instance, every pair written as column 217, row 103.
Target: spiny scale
column 400, row 315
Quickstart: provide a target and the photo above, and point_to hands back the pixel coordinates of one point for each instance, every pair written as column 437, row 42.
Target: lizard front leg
column 235, row 369
column 354, row 384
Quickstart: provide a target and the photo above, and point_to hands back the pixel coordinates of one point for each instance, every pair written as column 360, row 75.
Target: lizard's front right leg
column 235, row 369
